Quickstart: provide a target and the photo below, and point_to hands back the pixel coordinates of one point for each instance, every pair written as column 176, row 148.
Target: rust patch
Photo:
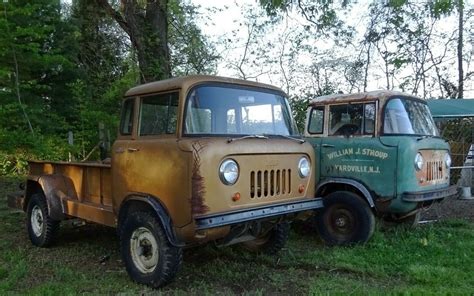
column 359, row 97
column 198, row 205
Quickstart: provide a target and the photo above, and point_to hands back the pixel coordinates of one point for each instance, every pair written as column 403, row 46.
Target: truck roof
column 189, row 81
column 364, row 96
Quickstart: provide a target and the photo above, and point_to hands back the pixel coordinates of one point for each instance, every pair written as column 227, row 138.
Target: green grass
column 431, row 259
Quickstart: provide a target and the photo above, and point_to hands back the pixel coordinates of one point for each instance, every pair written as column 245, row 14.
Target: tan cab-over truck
column 197, row 159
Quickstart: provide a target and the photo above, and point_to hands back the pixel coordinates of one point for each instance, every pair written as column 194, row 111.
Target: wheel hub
column 37, row 220
column 341, row 222
column 144, row 250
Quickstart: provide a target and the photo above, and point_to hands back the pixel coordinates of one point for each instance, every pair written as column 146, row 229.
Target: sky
column 221, row 19
column 224, row 22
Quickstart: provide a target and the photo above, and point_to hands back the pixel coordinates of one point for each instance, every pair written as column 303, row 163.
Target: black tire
column 271, row 243
column 142, row 239
column 42, row 230
column 345, row 220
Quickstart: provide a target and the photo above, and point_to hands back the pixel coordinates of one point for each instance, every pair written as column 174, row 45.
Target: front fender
column 359, row 186
column 159, row 210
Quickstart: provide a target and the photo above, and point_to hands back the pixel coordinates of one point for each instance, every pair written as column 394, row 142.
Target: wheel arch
column 148, row 203
column 53, row 188
column 337, row 184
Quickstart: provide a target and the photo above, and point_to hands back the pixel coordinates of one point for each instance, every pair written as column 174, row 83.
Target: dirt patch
column 450, row 208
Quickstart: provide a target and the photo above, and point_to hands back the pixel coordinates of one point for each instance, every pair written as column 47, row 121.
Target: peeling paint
column 198, row 206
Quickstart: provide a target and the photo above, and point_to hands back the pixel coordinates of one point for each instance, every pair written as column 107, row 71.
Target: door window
column 126, row 123
column 316, row 120
column 158, row 114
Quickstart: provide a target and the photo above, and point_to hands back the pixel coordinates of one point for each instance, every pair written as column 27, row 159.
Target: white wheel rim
column 37, row 221
column 144, row 250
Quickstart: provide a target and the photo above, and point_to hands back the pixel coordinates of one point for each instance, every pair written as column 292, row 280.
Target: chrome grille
column 434, row 170
column 269, row 183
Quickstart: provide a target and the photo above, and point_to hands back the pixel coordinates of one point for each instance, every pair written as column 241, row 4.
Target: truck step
column 89, row 211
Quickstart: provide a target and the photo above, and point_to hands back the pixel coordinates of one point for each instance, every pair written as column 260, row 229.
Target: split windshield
column 408, row 117
column 231, row 110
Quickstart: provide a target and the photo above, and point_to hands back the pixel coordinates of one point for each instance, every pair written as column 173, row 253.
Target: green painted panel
column 364, row 159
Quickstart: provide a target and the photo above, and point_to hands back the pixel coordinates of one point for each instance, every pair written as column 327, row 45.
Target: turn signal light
column 236, row 196
column 301, row 188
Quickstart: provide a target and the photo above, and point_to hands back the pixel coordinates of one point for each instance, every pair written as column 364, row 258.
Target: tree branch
column 104, row 4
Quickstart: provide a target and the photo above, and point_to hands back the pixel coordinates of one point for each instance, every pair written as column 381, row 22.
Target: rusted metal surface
column 434, row 171
column 180, row 173
column 356, row 97
column 184, row 83
column 198, row 206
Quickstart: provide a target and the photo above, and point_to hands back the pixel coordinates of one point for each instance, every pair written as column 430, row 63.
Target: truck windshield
column 408, row 117
column 234, row 110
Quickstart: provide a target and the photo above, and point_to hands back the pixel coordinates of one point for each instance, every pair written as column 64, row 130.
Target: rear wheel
column 345, row 220
column 148, row 255
column 42, row 229
column 272, row 242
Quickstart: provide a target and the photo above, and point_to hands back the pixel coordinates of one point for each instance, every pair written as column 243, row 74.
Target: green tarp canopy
column 451, row 108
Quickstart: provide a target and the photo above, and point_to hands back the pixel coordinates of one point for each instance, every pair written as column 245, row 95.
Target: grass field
column 431, row 259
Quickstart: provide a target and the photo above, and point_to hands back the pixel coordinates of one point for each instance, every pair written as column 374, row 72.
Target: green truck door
column 364, row 159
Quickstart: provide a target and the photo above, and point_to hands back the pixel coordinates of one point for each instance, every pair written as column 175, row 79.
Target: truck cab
column 379, row 154
column 197, row 159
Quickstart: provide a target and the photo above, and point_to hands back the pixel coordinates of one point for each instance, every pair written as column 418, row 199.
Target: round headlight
column 447, row 160
column 418, row 161
column 304, row 167
column 229, row 172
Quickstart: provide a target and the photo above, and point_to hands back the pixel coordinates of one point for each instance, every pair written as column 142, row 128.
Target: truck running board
column 89, row 211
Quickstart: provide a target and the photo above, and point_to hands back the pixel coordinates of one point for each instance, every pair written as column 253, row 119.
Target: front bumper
column 212, row 221
column 421, row 196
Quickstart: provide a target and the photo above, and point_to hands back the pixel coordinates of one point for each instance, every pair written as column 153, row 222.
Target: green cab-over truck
column 378, row 154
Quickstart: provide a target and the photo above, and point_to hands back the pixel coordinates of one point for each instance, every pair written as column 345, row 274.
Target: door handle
column 133, row 149
column 327, row 146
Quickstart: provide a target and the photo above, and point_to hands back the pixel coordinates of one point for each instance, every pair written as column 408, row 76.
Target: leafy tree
column 155, row 27
column 34, row 72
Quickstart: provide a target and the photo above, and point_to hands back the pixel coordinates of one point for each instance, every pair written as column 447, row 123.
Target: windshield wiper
column 424, row 137
column 301, row 141
column 230, row 140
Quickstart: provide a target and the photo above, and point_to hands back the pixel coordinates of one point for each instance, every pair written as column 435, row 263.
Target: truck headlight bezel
column 229, row 171
column 419, row 161
column 447, row 160
column 304, row 167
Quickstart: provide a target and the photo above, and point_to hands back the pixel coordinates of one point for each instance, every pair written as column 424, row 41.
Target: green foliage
column 191, row 52
column 299, row 107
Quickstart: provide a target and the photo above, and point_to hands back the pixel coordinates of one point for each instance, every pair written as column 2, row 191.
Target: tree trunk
column 460, row 40
column 147, row 28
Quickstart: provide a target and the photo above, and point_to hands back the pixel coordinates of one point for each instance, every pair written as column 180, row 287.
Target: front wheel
column 272, row 242
column 345, row 220
column 41, row 228
column 148, row 255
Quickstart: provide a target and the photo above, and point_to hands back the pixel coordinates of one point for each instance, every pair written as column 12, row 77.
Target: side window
column 158, row 114
column 369, row 119
column 316, row 120
column 126, row 122
column 345, row 119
